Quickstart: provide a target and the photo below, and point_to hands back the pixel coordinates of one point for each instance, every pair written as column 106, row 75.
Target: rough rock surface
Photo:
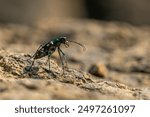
column 116, row 53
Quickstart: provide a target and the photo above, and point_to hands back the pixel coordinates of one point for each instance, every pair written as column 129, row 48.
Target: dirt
column 115, row 64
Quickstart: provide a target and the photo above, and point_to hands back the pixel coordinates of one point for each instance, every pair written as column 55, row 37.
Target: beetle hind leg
column 30, row 68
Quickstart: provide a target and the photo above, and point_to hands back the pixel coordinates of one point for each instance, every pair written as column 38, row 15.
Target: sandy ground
column 115, row 64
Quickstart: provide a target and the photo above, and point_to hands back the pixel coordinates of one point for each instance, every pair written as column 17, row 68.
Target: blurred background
column 115, row 51
column 28, row 11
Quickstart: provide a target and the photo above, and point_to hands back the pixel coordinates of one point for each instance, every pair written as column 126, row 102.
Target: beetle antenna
column 79, row 44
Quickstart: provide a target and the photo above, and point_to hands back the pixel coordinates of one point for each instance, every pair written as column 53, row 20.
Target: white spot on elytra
column 51, row 42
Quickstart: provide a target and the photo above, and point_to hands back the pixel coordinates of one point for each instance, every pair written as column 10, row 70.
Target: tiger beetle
column 50, row 47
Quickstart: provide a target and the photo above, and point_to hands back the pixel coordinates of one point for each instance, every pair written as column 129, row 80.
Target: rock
column 52, row 85
column 99, row 70
column 123, row 61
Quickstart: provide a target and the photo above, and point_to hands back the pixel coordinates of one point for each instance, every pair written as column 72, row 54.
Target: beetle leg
column 59, row 52
column 31, row 65
column 49, row 61
column 33, row 57
column 35, row 52
column 66, row 66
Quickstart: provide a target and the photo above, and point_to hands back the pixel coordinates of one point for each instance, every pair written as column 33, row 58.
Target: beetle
column 50, row 47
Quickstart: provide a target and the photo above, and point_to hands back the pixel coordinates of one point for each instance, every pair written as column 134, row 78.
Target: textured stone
column 120, row 52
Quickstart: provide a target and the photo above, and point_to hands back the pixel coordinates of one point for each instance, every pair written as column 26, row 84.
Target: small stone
column 99, row 70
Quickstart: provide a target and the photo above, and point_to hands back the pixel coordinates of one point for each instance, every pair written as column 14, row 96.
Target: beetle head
column 64, row 41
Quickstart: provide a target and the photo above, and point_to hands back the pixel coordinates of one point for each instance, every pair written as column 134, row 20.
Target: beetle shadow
column 34, row 71
column 31, row 71
column 50, row 72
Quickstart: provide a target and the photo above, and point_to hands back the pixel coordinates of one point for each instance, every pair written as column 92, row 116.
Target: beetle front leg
column 66, row 65
column 63, row 66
